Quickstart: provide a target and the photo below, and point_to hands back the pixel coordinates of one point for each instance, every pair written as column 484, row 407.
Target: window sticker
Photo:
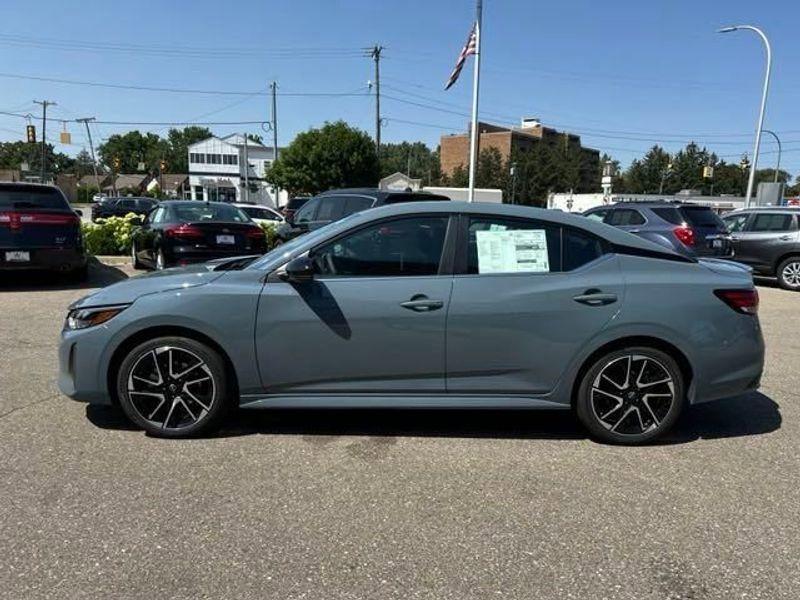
column 521, row 251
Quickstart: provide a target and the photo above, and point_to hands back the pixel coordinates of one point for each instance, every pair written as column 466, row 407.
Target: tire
column 135, row 263
column 161, row 261
column 789, row 274
column 631, row 396
column 192, row 403
column 79, row 275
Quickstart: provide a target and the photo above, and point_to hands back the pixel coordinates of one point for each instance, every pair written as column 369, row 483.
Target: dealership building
column 231, row 169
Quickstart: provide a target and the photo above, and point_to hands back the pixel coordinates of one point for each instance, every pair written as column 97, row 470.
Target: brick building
column 507, row 140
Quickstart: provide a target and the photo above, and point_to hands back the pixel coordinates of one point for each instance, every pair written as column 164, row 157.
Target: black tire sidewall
column 587, row 417
column 222, row 400
column 783, row 283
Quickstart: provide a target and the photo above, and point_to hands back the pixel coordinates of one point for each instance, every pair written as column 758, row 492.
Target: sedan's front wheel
column 631, row 396
column 173, row 387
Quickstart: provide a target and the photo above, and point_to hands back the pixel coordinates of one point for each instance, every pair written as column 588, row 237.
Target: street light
column 777, row 139
column 764, row 92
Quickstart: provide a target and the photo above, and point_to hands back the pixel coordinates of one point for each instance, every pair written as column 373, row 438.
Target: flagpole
column 476, row 78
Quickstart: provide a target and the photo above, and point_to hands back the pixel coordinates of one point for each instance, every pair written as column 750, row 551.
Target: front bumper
column 56, row 259
column 81, row 360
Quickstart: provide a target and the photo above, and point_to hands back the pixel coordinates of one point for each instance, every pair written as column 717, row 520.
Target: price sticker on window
column 521, row 251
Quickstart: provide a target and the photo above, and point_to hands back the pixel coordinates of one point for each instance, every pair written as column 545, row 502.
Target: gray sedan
column 435, row 304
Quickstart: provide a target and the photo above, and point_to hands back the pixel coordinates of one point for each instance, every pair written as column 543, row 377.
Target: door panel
column 766, row 238
column 516, row 333
column 352, row 335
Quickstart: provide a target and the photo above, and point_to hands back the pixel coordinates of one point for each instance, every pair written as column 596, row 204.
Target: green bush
column 270, row 230
column 110, row 236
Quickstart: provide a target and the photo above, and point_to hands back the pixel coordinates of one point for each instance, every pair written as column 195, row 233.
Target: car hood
column 128, row 290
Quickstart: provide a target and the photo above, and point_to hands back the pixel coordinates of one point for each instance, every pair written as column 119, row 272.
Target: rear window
column 621, row 217
column 35, row 198
column 296, row 203
column 395, row 198
column 701, row 216
column 206, row 212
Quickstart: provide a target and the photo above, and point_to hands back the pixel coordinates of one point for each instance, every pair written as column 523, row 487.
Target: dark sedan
column 181, row 233
column 119, row 207
column 39, row 230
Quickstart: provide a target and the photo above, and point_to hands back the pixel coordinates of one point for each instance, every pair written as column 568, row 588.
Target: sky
column 622, row 74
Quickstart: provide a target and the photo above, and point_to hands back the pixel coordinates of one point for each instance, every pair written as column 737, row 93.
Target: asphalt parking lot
column 368, row 504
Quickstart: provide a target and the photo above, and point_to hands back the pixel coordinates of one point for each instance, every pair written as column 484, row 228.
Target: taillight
column 184, row 231
column 685, row 234
column 255, row 233
column 742, row 301
column 16, row 220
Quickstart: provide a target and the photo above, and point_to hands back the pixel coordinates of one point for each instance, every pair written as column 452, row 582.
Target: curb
column 115, row 261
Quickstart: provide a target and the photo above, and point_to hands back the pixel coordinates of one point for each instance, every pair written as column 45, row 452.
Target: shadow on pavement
column 100, row 275
column 752, row 414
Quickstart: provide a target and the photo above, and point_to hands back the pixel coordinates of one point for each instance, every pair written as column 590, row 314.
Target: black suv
column 119, row 207
column 768, row 240
column 39, row 230
column 689, row 229
column 338, row 204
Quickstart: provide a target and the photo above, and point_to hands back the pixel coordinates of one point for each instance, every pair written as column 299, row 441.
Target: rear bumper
column 66, row 259
column 189, row 255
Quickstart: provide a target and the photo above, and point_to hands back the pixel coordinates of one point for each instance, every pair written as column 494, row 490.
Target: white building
column 569, row 202
column 217, row 171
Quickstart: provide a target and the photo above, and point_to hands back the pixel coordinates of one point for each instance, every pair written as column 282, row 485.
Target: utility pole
column 246, row 195
column 375, row 53
column 45, row 104
column 274, row 87
column 86, row 121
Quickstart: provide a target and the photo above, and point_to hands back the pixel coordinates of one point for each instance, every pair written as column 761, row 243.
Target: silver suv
column 768, row 240
column 688, row 229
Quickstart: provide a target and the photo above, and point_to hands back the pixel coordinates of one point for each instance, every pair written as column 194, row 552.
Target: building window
column 230, row 159
column 198, row 192
column 197, row 158
column 214, row 159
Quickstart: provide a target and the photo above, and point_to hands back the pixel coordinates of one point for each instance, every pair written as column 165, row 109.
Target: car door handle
column 595, row 298
column 634, row 230
column 422, row 303
column 785, row 238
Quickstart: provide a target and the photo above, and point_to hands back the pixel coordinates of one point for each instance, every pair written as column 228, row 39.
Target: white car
column 260, row 214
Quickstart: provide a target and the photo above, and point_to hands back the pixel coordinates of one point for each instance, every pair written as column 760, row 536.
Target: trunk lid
column 36, row 217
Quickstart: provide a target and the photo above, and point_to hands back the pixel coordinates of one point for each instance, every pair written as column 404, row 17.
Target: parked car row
column 766, row 239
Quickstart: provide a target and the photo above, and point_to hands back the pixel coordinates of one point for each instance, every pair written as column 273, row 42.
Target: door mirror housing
column 137, row 220
column 299, row 269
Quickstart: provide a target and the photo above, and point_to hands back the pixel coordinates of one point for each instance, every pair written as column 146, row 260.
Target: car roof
column 612, row 234
column 375, row 192
column 765, row 209
column 653, row 204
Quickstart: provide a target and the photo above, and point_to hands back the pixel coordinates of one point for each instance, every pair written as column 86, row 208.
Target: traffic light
column 117, row 163
column 163, row 165
column 30, row 130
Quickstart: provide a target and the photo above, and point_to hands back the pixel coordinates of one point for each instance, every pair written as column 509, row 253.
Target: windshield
column 701, row 216
column 289, row 247
column 41, row 198
column 207, row 212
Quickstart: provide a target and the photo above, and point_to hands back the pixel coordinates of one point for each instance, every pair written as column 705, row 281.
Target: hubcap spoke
column 648, row 391
column 161, row 391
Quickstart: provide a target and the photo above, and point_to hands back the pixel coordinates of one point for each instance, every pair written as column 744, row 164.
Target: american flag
column 469, row 48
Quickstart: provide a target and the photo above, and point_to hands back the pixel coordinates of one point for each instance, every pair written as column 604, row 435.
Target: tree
column 83, row 164
column 414, row 159
column 132, row 148
column 644, row 176
column 179, row 141
column 333, row 156
column 13, row 154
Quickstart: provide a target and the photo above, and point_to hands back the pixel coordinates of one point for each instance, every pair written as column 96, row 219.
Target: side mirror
column 137, row 220
column 299, row 269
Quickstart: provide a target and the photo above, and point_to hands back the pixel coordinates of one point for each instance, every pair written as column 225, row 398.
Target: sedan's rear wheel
column 173, row 387
column 789, row 274
column 631, row 396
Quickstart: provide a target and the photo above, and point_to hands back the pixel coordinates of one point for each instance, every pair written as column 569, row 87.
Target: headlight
column 81, row 318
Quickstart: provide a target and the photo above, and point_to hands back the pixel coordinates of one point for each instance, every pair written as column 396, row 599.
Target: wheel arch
column 638, row 340
column 163, row 331
column 783, row 257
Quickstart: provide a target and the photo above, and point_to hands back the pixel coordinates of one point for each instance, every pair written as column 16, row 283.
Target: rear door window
column 356, row 204
column 765, row 222
column 20, row 198
column 306, row 213
column 331, row 209
column 621, row 217
column 508, row 245
column 579, row 248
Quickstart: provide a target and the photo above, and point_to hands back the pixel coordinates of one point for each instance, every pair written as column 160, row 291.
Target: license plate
column 716, row 243
column 18, row 256
column 226, row 239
